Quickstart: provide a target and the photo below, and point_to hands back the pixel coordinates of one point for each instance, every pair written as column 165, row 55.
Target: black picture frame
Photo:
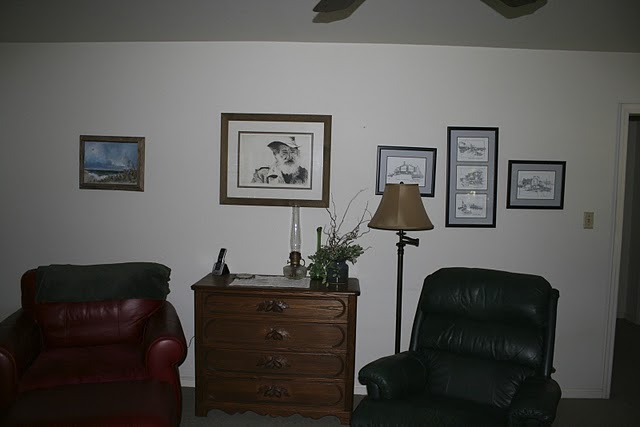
column 246, row 152
column 536, row 184
column 408, row 165
column 472, row 161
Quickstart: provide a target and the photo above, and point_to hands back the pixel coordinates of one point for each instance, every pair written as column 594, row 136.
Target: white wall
column 548, row 106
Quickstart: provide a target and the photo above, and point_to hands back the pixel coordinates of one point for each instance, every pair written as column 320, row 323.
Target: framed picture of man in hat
column 275, row 159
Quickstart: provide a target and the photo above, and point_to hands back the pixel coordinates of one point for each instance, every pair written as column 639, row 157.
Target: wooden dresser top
column 224, row 283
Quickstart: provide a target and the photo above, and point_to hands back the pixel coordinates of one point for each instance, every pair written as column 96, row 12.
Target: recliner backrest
column 482, row 332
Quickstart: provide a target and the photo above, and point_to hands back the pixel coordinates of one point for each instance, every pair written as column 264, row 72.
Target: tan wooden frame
column 225, row 182
column 137, row 186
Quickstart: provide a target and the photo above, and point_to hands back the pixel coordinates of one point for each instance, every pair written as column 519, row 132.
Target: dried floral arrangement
column 339, row 246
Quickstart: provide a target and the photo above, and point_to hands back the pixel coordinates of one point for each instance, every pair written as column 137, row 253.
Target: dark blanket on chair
column 102, row 282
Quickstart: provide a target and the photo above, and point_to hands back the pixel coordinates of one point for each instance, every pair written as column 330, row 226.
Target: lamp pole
column 401, row 209
column 403, row 240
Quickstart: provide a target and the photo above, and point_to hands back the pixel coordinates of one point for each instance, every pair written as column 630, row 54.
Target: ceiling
column 590, row 25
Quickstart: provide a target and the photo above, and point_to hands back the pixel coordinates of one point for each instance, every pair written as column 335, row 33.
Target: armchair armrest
column 535, row 403
column 394, row 376
column 165, row 344
column 20, row 343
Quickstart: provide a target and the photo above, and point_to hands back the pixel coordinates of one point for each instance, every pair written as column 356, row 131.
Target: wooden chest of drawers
column 275, row 350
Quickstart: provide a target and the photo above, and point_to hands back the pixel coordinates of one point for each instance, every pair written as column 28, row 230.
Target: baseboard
column 573, row 393
column 188, row 381
column 360, row 389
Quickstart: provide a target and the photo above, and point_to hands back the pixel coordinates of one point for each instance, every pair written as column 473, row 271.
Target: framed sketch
column 472, row 154
column 408, row 165
column 536, row 184
column 112, row 162
column 275, row 159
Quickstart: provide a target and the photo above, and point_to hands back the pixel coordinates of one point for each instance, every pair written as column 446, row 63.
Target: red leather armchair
column 85, row 363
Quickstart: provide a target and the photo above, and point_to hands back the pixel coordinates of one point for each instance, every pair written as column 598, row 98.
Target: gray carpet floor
column 622, row 410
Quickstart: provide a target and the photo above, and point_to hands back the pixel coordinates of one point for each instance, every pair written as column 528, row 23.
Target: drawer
column 317, row 308
column 261, row 335
column 257, row 391
column 323, row 365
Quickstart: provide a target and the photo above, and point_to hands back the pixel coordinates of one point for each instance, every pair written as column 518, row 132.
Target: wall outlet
column 587, row 221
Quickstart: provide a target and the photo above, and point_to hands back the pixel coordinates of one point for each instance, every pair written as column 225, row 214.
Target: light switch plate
column 587, row 221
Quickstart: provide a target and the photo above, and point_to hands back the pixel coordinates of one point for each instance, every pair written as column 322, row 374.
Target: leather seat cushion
column 485, row 381
column 79, row 365
column 118, row 404
column 427, row 410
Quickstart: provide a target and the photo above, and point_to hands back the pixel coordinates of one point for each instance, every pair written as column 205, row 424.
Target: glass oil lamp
column 295, row 268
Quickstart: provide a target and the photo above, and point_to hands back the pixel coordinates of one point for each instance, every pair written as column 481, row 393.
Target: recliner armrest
column 20, row 343
column 165, row 344
column 535, row 403
column 394, row 376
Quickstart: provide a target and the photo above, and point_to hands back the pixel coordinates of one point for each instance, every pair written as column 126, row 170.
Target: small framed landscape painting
column 112, row 162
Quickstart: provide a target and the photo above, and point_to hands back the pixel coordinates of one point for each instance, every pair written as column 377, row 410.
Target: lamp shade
column 401, row 208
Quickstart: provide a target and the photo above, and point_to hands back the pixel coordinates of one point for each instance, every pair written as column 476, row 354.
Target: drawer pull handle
column 274, row 306
column 273, row 391
column 276, row 335
column 273, row 362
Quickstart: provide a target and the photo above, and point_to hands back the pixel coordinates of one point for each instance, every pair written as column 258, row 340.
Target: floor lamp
column 401, row 209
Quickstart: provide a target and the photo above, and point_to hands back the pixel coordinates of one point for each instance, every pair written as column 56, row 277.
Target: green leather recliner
column 481, row 354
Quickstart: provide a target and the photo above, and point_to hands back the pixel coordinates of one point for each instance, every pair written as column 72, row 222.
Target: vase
column 337, row 272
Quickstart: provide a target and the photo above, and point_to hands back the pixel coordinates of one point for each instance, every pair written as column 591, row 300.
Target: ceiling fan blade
column 332, row 5
column 517, row 3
